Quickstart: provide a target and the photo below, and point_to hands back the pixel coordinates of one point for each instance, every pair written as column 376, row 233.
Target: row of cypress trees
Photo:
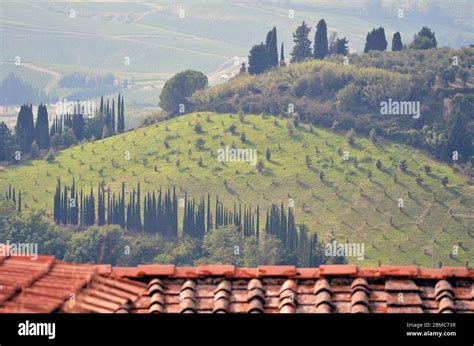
column 114, row 124
column 31, row 136
column 160, row 216
column 160, row 213
column 27, row 131
column 76, row 122
column 11, row 195
column 76, row 208
column 264, row 56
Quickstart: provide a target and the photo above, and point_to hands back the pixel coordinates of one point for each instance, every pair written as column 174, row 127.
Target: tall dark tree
column 25, row 128
column 7, row 143
column 302, row 46
column 101, row 107
column 258, row 59
column 121, row 115
column 376, row 40
column 78, row 124
column 112, row 119
column 272, row 50
column 282, row 55
column 397, row 44
column 321, row 45
column 42, row 127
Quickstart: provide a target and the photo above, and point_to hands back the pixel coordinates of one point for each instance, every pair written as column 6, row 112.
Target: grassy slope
column 343, row 206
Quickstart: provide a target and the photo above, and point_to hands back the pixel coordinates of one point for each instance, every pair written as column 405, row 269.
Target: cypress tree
column 321, row 46
column 57, row 203
column 271, row 47
column 209, row 216
column 25, row 128
column 121, row 121
column 175, row 213
column 138, row 213
column 258, row 222
column 397, row 44
column 282, row 55
column 42, row 127
column 78, row 124
column 101, row 108
column 122, row 207
column 112, row 119
column 376, row 40
column 64, row 207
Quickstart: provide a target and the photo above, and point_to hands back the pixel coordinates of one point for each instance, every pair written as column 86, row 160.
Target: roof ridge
column 288, row 271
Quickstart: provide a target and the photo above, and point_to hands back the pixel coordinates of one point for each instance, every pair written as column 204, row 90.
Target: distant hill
column 332, row 196
column 333, row 94
column 96, row 37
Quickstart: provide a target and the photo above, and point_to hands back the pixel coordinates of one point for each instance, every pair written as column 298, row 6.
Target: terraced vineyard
column 39, row 79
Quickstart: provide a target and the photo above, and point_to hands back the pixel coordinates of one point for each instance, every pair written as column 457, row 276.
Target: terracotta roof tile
column 246, row 273
column 323, row 293
column 399, row 270
column 185, row 272
column 307, row 273
column 459, row 272
column 274, row 271
column 216, row 270
column 104, row 269
column 48, row 285
column 157, row 269
column 344, row 269
column 400, row 285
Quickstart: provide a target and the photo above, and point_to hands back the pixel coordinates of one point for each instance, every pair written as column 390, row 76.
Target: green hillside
column 346, row 204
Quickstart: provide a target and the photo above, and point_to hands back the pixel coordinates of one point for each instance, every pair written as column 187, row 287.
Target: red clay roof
column 49, row 285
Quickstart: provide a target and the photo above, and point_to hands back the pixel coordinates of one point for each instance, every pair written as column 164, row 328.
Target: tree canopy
column 376, row 40
column 302, row 46
column 178, row 90
column 424, row 39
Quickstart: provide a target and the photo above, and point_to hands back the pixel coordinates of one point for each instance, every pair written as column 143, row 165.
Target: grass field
column 346, row 205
